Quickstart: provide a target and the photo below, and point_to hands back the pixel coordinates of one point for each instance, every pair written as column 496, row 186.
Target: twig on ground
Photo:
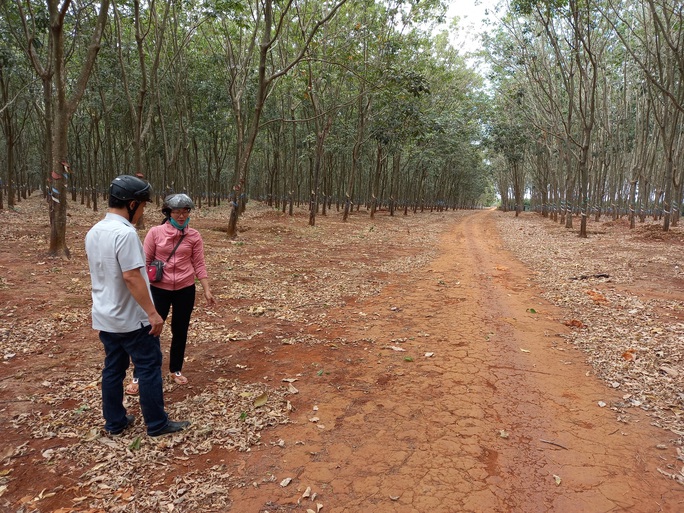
column 553, row 443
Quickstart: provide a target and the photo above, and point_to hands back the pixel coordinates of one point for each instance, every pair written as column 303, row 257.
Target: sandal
column 179, row 378
column 132, row 388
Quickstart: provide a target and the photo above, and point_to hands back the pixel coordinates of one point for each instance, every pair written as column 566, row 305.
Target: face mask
column 178, row 226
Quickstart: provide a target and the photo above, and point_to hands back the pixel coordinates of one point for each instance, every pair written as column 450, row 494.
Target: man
column 124, row 312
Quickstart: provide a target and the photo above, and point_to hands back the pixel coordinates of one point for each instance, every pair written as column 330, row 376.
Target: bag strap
column 176, row 247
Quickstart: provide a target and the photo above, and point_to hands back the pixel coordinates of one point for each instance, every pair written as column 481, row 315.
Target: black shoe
column 171, row 427
column 130, row 419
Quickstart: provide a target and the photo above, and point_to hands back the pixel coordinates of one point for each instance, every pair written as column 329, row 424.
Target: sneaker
column 171, row 427
column 130, row 420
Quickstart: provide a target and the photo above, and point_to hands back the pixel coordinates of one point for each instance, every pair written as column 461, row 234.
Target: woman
column 182, row 250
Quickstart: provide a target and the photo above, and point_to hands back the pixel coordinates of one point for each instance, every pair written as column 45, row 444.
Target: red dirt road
column 504, row 415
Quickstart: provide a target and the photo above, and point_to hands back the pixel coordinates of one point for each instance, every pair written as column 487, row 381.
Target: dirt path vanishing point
column 502, row 417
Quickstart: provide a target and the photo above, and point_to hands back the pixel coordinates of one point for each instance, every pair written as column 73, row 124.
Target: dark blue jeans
column 145, row 352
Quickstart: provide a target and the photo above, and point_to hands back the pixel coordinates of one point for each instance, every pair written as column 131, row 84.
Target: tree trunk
column 62, row 109
column 376, row 179
column 632, row 203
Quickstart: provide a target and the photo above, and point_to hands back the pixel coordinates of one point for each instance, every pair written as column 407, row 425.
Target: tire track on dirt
column 485, row 424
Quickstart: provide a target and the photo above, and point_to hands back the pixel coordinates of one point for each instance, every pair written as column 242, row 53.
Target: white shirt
column 113, row 247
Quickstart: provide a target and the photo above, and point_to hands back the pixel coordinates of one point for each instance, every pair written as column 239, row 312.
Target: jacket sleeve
column 149, row 246
column 198, row 258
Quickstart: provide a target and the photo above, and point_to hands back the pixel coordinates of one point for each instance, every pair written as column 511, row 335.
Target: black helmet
column 176, row 201
column 127, row 188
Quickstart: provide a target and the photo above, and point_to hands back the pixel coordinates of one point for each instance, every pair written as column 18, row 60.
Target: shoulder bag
column 155, row 271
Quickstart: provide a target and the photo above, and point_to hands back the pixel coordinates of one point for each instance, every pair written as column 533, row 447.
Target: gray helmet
column 130, row 188
column 176, row 201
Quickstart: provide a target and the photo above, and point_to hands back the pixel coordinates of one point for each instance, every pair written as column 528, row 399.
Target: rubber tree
column 14, row 117
column 141, row 23
column 68, row 79
column 653, row 35
column 267, row 28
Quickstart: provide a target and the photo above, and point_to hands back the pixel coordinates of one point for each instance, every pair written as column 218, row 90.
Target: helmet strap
column 132, row 211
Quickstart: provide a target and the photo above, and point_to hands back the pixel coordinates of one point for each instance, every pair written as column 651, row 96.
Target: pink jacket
column 185, row 264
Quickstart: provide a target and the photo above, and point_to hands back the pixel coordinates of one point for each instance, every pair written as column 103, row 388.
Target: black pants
column 183, row 302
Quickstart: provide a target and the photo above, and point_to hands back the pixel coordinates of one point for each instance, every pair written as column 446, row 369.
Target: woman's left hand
column 210, row 298
column 207, row 292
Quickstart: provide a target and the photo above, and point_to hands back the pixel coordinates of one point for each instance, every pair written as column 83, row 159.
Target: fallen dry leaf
column 597, row 297
column 261, row 400
column 574, row 323
column 628, row 355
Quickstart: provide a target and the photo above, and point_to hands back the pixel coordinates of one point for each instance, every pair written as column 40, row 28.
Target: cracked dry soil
column 503, row 417
column 451, row 390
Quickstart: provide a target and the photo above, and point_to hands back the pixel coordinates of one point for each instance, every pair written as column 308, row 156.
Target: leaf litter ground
column 281, row 284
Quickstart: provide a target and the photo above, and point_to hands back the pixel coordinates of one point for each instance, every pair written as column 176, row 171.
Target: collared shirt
column 185, row 264
column 113, row 247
